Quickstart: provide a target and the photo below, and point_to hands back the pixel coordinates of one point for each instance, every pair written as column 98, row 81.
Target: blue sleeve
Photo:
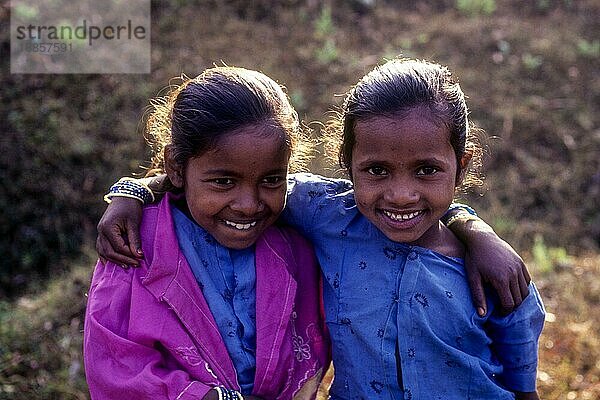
column 515, row 340
column 312, row 200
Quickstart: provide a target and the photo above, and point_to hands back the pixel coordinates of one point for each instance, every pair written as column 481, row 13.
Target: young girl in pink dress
column 226, row 304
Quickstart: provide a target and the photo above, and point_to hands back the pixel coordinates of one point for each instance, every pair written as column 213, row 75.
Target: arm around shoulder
column 118, row 230
column 490, row 260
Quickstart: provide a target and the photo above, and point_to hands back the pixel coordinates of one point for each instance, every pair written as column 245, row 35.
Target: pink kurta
column 149, row 333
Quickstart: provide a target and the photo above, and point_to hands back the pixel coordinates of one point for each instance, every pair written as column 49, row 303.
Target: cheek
column 276, row 200
column 202, row 202
column 363, row 196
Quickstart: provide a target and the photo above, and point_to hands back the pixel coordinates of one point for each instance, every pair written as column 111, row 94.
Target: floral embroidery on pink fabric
column 190, row 354
column 301, row 348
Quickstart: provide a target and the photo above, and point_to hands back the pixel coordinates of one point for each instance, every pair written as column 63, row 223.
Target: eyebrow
column 226, row 172
column 371, row 161
column 431, row 160
column 220, row 172
column 277, row 171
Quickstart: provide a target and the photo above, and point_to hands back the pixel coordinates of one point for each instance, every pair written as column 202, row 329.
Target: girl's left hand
column 119, row 232
column 491, row 260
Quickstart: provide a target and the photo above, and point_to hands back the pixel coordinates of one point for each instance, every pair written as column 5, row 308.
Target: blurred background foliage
column 530, row 70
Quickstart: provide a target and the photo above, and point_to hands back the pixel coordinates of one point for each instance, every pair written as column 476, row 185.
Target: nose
column 401, row 193
column 247, row 202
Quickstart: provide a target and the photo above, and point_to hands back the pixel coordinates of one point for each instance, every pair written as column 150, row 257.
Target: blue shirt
column 227, row 278
column 401, row 317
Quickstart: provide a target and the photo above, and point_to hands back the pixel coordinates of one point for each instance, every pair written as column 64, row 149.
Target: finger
column 119, row 258
column 523, row 285
column 516, row 292
column 505, row 296
column 99, row 247
column 526, row 274
column 117, row 242
column 476, row 285
column 135, row 242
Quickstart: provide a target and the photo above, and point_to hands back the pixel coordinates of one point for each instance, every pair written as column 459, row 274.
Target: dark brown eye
column 427, row 170
column 377, row 171
column 273, row 181
column 223, row 181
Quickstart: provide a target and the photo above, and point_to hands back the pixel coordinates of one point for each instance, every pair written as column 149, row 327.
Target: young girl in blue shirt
column 398, row 304
column 396, row 293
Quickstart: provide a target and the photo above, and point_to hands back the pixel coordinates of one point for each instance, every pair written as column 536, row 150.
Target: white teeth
column 240, row 227
column 401, row 217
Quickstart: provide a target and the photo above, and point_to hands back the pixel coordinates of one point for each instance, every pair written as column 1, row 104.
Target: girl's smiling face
column 404, row 171
column 237, row 189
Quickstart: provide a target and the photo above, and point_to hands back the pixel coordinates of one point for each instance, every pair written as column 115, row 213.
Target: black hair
column 397, row 87
column 200, row 111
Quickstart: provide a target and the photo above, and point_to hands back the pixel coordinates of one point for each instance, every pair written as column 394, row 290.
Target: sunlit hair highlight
column 199, row 111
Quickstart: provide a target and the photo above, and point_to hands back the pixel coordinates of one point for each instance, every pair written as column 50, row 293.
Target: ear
column 464, row 164
column 174, row 171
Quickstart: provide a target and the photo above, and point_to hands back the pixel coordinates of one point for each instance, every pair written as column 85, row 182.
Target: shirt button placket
column 412, row 258
column 413, row 255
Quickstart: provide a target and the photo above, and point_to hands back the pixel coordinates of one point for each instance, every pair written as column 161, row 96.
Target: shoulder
column 157, row 228
column 150, row 215
column 309, row 181
column 289, row 245
column 320, row 194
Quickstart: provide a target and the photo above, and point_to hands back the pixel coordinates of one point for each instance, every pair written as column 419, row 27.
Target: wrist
column 131, row 188
column 470, row 228
column 457, row 209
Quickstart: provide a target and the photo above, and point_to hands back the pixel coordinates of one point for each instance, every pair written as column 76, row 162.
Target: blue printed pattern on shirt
column 374, row 286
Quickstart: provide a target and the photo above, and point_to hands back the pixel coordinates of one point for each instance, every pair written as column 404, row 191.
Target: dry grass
column 40, row 336
column 570, row 343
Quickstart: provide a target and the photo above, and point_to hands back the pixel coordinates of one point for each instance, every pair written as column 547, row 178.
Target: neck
column 441, row 240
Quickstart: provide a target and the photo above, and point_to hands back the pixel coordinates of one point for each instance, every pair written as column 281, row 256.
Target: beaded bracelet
column 463, row 207
column 458, row 209
column 132, row 188
column 228, row 394
column 461, row 216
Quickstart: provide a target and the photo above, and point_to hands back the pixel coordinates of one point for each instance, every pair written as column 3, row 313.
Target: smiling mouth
column 402, row 216
column 240, row 226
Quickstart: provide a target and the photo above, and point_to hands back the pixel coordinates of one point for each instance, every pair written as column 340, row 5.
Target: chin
column 406, row 239
column 238, row 245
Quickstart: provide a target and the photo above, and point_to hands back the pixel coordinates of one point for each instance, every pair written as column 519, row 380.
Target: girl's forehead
column 420, row 112
column 249, row 134
column 394, row 139
column 397, row 126
column 250, row 143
